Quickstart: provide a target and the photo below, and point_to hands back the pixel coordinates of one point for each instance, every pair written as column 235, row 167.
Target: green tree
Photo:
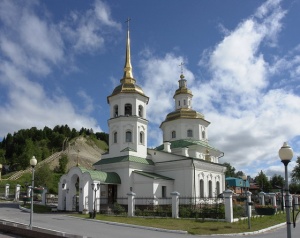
column 239, row 174
column 294, row 188
column 63, row 162
column 263, row 182
column 296, row 171
column 230, row 171
column 44, row 176
column 277, row 181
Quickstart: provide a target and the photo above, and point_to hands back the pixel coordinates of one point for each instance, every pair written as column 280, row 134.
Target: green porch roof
column 186, row 143
column 125, row 158
column 152, row 175
column 103, row 177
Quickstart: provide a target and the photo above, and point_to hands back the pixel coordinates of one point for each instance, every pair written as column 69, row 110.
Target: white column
column 6, row 190
column 28, row 191
column 273, row 199
column 261, row 198
column 17, row 193
column 296, row 202
column 228, row 205
column 44, row 196
column 175, row 204
column 131, row 206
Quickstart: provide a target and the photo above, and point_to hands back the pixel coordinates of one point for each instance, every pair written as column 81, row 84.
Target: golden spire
column 127, row 77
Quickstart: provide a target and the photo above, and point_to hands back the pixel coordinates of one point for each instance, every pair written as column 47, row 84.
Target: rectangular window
column 164, row 191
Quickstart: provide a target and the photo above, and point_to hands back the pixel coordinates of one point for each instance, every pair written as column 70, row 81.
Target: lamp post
column 95, row 188
column 286, row 154
column 33, row 163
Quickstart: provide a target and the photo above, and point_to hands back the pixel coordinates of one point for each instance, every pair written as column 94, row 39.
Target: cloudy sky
column 59, row 60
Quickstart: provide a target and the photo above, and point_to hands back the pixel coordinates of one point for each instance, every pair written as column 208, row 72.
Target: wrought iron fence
column 117, row 207
column 199, row 207
column 153, row 206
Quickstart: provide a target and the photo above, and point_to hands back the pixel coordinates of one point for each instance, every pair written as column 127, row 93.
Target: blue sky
column 59, row 60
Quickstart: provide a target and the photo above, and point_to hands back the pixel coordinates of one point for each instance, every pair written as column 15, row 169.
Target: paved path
column 95, row 229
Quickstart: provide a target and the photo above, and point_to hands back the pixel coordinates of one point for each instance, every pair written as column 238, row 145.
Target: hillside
column 82, row 150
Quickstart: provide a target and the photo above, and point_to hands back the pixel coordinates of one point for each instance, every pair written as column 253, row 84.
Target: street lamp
column 95, row 188
column 33, row 163
column 286, row 154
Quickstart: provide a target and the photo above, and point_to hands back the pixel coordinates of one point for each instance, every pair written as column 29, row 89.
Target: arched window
column 141, row 111
column 141, row 137
column 189, row 133
column 218, row 187
column 116, row 111
column 201, row 188
column 173, row 134
column 115, row 137
column 210, row 189
column 184, row 103
column 178, row 103
column 203, row 134
column 128, row 136
column 128, row 109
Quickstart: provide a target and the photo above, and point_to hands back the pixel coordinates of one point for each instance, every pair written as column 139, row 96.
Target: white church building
column 185, row 162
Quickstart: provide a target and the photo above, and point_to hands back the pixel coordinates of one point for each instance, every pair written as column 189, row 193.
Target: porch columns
column 175, row 204
column 131, row 205
column 228, row 205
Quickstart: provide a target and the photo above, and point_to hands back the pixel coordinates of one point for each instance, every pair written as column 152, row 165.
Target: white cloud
column 249, row 120
column 31, row 45
column 86, row 31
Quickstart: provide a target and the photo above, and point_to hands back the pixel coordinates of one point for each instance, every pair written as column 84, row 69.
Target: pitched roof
column 152, row 175
column 125, row 158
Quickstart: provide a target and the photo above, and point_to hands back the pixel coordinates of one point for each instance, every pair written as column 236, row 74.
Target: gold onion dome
column 184, row 113
column 182, row 88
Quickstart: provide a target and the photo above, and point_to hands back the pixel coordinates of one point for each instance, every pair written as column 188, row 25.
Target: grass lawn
column 197, row 227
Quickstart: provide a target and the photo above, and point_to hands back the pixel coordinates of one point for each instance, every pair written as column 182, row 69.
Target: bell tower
column 128, row 123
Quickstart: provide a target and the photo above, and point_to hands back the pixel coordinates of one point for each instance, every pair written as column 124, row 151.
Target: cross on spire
column 127, row 21
column 181, row 65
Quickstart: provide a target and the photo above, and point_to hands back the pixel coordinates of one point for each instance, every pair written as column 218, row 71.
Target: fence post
column 228, row 205
column 17, row 193
column 296, row 202
column 28, row 191
column 175, row 204
column 273, row 199
column 44, row 196
column 249, row 210
column 6, row 191
column 131, row 207
column 261, row 198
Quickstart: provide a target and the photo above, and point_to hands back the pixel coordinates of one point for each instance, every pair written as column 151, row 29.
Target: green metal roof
column 186, row 143
column 125, row 158
column 152, row 175
column 103, row 177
